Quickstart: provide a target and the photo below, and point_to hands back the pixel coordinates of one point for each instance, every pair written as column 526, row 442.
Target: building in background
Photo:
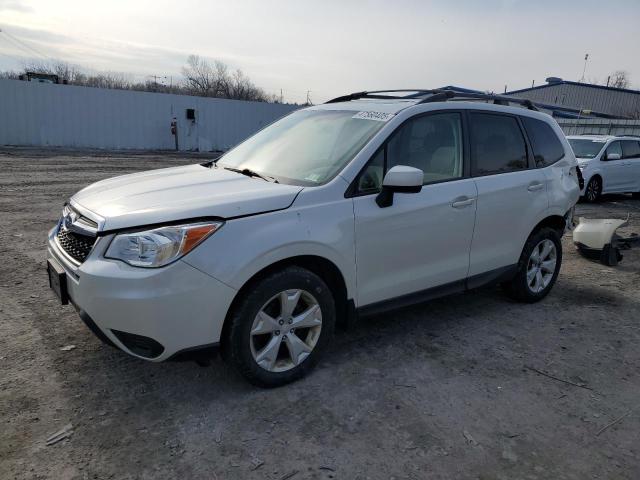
column 39, row 77
column 571, row 99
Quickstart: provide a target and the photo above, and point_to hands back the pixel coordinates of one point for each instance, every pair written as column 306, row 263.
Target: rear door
column 548, row 153
column 512, row 193
column 631, row 165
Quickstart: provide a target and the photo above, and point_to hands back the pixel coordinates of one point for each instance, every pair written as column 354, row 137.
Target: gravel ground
column 460, row 387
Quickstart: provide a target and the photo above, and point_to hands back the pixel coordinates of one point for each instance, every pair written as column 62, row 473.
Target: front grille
column 76, row 245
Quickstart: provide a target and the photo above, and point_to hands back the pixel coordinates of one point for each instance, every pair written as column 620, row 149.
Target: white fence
column 38, row 114
column 599, row 126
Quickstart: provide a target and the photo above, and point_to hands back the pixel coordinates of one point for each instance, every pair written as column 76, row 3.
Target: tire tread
column 238, row 354
column 517, row 288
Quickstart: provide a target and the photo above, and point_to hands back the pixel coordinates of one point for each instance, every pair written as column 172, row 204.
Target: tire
column 526, row 288
column 593, row 190
column 259, row 343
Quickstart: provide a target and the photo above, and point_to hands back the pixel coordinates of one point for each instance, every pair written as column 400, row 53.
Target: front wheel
column 279, row 330
column 538, row 267
column 594, row 190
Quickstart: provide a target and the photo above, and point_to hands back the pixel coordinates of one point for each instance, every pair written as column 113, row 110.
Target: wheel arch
column 555, row 222
column 327, row 270
column 596, row 174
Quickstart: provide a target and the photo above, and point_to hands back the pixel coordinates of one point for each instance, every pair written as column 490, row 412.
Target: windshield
column 586, row 148
column 307, row 147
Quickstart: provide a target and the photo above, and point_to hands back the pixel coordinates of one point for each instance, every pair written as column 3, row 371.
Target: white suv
column 369, row 202
column 609, row 164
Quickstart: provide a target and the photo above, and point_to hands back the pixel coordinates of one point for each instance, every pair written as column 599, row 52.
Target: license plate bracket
column 58, row 281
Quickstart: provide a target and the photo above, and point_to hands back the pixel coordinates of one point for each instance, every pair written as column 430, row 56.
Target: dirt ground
column 456, row 388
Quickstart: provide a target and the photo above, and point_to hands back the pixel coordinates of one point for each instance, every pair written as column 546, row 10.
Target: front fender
column 245, row 246
column 588, row 174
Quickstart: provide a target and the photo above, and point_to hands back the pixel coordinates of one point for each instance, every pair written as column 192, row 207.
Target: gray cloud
column 331, row 47
column 16, row 6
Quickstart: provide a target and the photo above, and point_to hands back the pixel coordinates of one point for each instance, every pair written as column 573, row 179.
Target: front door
column 614, row 173
column 423, row 239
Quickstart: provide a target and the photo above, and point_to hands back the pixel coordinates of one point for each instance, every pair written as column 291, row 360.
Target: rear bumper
column 153, row 314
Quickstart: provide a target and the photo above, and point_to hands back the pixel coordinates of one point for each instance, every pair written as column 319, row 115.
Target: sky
column 333, row 47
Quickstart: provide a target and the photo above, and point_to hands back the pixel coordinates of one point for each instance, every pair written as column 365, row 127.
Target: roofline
column 460, row 89
column 578, row 84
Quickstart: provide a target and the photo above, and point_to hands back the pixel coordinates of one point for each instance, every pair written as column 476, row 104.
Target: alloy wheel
column 286, row 330
column 541, row 266
column 593, row 190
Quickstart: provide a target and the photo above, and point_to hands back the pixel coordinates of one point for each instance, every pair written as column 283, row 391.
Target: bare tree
column 619, row 79
column 242, row 88
column 10, row 75
column 205, row 79
column 202, row 78
column 214, row 80
column 66, row 72
column 114, row 80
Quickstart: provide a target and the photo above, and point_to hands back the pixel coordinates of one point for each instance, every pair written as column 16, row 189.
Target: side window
column 547, row 149
column 370, row 179
column 432, row 143
column 614, row 147
column 497, row 144
column 630, row 149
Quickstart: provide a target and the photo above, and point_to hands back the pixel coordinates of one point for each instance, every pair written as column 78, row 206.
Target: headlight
column 160, row 246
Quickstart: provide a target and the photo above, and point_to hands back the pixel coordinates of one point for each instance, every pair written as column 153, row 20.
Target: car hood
column 179, row 193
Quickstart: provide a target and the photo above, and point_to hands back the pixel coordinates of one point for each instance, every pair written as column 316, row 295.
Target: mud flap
column 610, row 255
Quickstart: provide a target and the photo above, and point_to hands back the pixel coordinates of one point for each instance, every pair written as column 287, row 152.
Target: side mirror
column 401, row 179
column 613, row 156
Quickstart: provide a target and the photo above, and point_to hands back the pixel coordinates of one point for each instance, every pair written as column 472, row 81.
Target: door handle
column 463, row 202
column 534, row 187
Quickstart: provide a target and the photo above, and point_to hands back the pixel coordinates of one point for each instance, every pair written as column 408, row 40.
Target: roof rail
column 379, row 94
column 441, row 95
column 444, row 95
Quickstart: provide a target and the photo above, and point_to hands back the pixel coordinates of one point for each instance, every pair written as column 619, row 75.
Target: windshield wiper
column 251, row 173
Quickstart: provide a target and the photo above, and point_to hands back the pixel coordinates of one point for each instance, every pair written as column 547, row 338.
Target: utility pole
column 533, row 82
column 155, row 81
column 281, row 98
column 586, row 57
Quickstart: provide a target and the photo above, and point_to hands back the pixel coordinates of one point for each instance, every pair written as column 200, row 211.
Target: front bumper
column 176, row 307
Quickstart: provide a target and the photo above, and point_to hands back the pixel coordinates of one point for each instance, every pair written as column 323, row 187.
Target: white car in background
column 609, row 164
column 369, row 202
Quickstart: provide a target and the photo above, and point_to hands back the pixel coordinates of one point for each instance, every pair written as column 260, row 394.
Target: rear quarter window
column 546, row 146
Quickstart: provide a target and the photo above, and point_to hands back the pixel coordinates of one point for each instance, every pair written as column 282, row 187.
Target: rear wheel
column 594, row 190
column 538, row 267
column 280, row 328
